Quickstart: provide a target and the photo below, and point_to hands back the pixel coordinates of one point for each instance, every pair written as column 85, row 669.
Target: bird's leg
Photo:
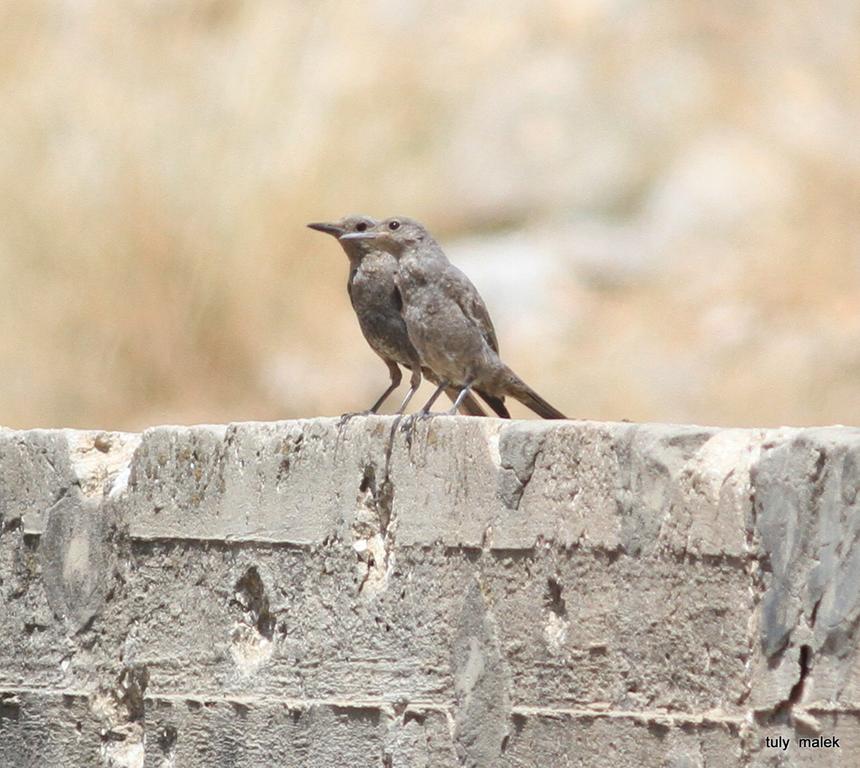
column 414, row 383
column 425, row 411
column 462, row 396
column 396, row 378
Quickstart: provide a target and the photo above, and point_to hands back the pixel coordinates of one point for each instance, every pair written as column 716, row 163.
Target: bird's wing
column 349, row 286
column 397, row 299
column 471, row 304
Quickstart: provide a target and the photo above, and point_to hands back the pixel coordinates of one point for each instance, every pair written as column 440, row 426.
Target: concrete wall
column 472, row 593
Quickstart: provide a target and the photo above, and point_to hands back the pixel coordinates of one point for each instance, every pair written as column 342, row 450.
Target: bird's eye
column 392, row 225
column 361, row 226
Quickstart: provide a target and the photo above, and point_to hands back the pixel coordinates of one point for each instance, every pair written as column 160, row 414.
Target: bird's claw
column 347, row 417
column 409, row 422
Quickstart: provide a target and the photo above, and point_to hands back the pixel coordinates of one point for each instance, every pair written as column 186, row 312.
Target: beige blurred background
column 660, row 201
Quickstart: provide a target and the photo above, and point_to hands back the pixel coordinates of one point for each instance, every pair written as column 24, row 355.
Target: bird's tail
column 496, row 403
column 521, row 391
column 469, row 406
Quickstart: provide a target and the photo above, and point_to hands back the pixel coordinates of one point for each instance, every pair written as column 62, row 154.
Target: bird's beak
column 360, row 236
column 330, row 229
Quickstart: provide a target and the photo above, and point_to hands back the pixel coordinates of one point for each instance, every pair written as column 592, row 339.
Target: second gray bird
column 446, row 318
column 376, row 301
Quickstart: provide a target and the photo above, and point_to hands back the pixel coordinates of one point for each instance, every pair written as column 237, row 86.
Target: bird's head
column 352, row 224
column 395, row 235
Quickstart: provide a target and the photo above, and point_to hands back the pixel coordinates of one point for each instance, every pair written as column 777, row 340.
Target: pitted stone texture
column 713, row 516
column 594, row 741
column 201, row 733
column 606, row 486
column 481, row 683
column 844, row 726
column 38, row 466
column 574, row 629
column 38, row 729
column 176, row 482
column 807, row 515
column 459, row 482
column 291, row 482
column 583, row 630
column 444, row 473
column 35, row 469
column 76, row 558
column 420, row 736
column 296, row 482
column 312, row 634
column 464, row 592
column 48, row 729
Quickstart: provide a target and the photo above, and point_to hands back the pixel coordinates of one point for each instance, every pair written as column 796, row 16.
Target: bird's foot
column 408, row 424
column 347, row 417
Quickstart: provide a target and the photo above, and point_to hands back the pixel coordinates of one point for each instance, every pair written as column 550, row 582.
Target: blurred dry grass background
column 660, row 201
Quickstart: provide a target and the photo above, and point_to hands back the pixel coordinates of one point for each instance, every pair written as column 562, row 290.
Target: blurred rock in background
column 659, row 200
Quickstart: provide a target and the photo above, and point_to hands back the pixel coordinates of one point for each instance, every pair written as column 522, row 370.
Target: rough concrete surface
column 471, row 593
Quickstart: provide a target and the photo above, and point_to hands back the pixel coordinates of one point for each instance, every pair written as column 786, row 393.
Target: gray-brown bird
column 376, row 302
column 446, row 318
